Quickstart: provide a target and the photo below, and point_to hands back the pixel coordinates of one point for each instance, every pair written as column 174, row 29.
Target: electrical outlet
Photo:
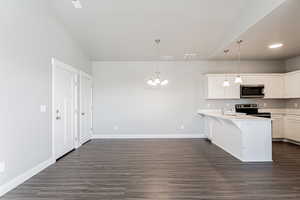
column 2, row 167
column 295, row 105
column 182, row 127
column 208, row 105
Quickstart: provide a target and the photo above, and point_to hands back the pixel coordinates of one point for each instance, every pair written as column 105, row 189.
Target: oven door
column 252, row 91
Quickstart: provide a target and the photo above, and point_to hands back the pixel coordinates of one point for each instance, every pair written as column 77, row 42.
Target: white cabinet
column 233, row 91
column 277, row 86
column 216, row 90
column 274, row 87
column 277, row 126
column 292, row 82
column 253, row 79
column 292, row 127
column 274, row 84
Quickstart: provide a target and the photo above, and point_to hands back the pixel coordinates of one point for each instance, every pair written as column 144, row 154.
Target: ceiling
column 282, row 25
column 125, row 30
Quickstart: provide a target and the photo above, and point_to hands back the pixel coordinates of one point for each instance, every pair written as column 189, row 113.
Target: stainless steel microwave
column 252, row 91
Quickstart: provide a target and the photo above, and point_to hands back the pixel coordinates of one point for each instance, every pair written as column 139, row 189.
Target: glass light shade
column 157, row 81
column 164, row 82
column 151, row 82
column 238, row 79
column 226, row 83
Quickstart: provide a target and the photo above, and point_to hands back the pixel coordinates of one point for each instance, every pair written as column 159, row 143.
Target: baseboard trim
column 286, row 140
column 25, row 176
column 145, row 136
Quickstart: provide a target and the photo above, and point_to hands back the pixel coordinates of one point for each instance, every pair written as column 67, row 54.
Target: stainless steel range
column 251, row 109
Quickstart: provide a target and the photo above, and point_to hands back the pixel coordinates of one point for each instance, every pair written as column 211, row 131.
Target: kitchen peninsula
column 247, row 138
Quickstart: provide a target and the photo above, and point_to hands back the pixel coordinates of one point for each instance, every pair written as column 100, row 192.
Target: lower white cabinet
column 286, row 126
column 292, row 127
column 277, row 126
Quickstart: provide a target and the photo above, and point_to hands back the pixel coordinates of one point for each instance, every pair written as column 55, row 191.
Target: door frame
column 81, row 75
column 55, row 63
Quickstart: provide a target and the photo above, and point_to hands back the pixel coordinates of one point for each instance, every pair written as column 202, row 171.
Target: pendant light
column 226, row 81
column 238, row 78
column 156, row 79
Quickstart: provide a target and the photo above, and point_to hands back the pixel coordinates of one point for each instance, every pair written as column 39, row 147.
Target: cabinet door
column 292, row 127
column 277, row 126
column 274, row 87
column 253, row 80
column 215, row 89
column 292, row 82
column 233, row 91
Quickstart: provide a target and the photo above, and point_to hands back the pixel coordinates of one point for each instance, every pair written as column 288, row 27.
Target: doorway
column 86, row 93
column 64, row 105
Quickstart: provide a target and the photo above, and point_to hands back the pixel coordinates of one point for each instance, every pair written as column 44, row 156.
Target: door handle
column 58, row 117
column 83, row 114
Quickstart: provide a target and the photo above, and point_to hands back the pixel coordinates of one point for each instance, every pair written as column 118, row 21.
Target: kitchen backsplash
column 263, row 103
column 293, row 104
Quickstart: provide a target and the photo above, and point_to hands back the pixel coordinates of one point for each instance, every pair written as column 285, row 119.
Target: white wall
column 293, row 64
column 122, row 98
column 30, row 36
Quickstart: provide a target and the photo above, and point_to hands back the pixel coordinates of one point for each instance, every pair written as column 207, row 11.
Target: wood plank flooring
column 163, row 169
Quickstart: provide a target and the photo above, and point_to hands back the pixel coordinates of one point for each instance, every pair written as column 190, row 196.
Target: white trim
column 25, row 176
column 58, row 64
column 149, row 136
column 88, row 76
column 82, row 73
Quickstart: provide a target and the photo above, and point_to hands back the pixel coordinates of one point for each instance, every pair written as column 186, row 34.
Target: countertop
column 238, row 117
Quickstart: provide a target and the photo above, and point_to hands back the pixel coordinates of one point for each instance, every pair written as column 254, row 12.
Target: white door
column 85, row 107
column 64, row 104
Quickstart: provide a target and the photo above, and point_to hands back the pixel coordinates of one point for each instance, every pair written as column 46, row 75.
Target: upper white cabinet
column 291, row 83
column 215, row 89
column 277, row 86
column 274, row 86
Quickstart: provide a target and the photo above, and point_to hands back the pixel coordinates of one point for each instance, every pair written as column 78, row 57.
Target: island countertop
column 233, row 117
column 247, row 138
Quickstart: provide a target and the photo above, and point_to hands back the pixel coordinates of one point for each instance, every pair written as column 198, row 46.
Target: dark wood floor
column 163, row 169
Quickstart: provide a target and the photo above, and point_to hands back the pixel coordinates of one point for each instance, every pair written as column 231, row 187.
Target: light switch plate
column 43, row 108
column 2, row 167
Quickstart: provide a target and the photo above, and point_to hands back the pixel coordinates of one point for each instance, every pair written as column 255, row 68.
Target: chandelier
column 156, row 79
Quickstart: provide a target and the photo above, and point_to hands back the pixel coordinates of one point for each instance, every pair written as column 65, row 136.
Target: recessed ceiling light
column 275, row 46
column 76, row 4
